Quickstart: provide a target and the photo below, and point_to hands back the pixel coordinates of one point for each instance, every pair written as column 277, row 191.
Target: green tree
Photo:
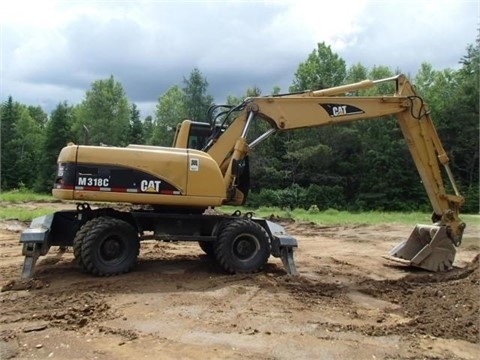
column 322, row 69
column 309, row 155
column 357, row 73
column 105, row 112
column 380, row 72
column 170, row 112
column 30, row 135
column 197, row 101
column 302, row 160
column 470, row 76
column 462, row 132
column 57, row 135
column 276, row 90
column 147, row 128
column 39, row 116
column 383, row 151
column 250, row 92
column 8, row 117
column 21, row 138
column 266, row 170
column 136, row 135
column 453, row 99
column 263, row 160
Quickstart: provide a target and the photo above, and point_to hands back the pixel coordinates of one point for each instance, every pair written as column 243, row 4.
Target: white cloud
column 53, row 50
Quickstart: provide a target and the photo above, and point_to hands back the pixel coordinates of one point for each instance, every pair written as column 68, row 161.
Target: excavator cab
column 192, row 135
column 195, row 135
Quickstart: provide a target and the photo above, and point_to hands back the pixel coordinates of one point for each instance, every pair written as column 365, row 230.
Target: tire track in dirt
column 184, row 297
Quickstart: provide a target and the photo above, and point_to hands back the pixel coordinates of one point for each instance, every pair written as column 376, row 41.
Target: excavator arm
column 208, row 167
column 429, row 246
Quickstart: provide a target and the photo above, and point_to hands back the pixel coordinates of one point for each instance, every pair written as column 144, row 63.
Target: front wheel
column 242, row 246
column 109, row 247
column 77, row 245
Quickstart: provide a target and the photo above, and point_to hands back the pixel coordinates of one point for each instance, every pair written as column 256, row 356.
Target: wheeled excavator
column 172, row 190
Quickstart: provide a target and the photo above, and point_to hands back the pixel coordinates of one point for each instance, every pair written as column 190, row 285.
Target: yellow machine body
column 139, row 175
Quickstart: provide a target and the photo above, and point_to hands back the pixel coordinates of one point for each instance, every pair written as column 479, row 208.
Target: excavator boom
column 430, row 247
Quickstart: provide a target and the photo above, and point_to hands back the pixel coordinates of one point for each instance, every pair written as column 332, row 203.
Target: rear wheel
column 243, row 246
column 109, row 247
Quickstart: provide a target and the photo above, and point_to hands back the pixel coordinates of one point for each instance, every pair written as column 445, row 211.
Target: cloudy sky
column 52, row 51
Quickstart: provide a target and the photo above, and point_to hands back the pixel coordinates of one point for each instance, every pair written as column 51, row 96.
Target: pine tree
column 8, row 116
column 136, row 127
column 57, row 135
column 197, row 101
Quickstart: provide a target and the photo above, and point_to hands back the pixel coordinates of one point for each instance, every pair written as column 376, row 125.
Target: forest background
column 356, row 167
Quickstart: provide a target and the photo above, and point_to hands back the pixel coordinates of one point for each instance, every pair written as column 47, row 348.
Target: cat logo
column 337, row 110
column 150, row 185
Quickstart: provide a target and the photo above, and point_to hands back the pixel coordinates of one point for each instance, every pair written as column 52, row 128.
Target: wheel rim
column 245, row 247
column 112, row 249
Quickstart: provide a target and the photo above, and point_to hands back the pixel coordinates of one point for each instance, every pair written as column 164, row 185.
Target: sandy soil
column 348, row 301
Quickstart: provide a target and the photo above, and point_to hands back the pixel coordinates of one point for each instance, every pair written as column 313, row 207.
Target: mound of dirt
column 426, row 298
column 22, row 284
column 67, row 310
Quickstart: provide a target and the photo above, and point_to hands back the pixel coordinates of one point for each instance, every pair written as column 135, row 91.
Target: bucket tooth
column 428, row 247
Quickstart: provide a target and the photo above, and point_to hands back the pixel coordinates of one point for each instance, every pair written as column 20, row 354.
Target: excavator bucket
column 428, row 247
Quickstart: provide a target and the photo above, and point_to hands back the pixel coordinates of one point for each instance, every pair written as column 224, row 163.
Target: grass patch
column 22, row 214
column 18, row 196
column 9, row 210
column 336, row 217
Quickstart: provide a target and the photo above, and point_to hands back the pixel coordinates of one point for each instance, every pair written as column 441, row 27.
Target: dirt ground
column 348, row 302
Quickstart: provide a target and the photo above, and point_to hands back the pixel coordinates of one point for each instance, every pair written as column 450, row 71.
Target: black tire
column 208, row 248
column 77, row 246
column 110, row 246
column 243, row 246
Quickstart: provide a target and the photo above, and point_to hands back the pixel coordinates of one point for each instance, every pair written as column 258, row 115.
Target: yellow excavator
column 172, row 190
